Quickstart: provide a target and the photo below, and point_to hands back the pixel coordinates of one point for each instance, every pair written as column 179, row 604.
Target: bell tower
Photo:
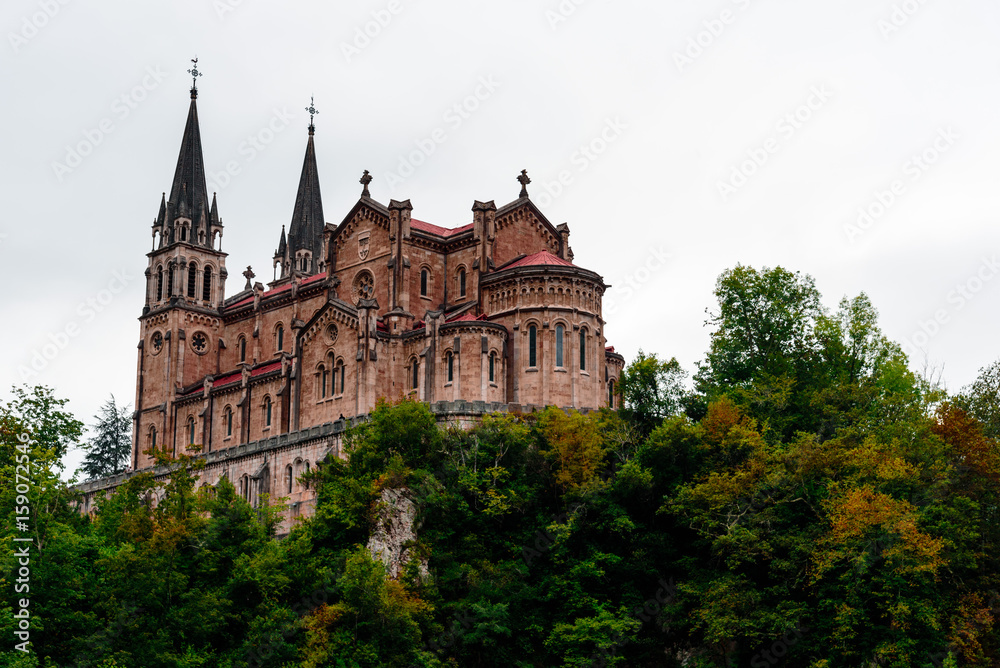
column 181, row 326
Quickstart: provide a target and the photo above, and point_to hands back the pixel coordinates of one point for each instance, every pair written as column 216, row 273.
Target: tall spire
column 306, row 230
column 189, row 191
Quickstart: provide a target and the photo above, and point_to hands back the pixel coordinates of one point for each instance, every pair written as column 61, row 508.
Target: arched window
column 152, row 438
column 461, row 282
column 415, row 374
column 338, row 377
column 170, row 282
column 267, row 411
column 184, row 235
column 206, row 286
column 532, row 346
column 242, row 345
column 159, row 284
column 289, row 479
column 611, row 393
column 450, row 359
column 306, row 483
column 192, row 276
column 280, row 337
column 559, row 345
column 423, row 282
column 190, row 431
column 583, row 350
column 493, row 364
column 227, row 418
column 324, row 380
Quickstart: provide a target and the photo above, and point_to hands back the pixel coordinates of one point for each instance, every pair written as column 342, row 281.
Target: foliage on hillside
column 811, row 503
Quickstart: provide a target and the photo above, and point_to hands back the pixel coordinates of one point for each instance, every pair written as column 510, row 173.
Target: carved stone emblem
column 363, row 246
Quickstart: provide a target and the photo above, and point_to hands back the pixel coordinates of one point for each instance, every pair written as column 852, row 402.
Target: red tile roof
column 280, row 289
column 542, row 257
column 435, row 229
column 238, row 375
column 467, row 317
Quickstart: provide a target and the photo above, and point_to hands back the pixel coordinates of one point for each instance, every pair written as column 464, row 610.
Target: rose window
column 199, row 342
column 364, row 286
column 157, row 342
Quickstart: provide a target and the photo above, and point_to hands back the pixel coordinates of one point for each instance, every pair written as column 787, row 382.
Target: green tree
column 108, row 450
column 651, row 389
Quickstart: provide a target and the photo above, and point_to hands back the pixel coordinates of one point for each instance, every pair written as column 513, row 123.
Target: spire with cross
column 194, row 77
column 312, row 112
column 524, row 181
column 366, row 178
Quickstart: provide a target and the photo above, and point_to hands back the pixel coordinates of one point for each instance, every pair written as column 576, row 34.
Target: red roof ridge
column 437, row 229
column 540, row 258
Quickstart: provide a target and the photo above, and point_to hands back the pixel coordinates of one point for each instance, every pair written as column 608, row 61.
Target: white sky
column 679, row 128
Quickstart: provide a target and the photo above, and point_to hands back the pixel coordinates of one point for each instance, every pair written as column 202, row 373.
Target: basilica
column 489, row 316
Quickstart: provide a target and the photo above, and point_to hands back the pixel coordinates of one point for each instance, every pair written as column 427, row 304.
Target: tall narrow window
column 192, row 276
column 243, row 349
column 191, row 431
column 415, row 375
column 206, row 286
column 339, row 374
column 559, row 345
column 583, row 350
column 281, row 338
column 267, row 411
column 152, row 438
column 324, row 379
column 229, row 422
column 461, row 282
column 423, row 282
column 493, row 363
column 611, row 394
column 170, row 282
column 532, row 346
column 288, row 479
column 451, row 366
column 159, row 283
column 184, row 232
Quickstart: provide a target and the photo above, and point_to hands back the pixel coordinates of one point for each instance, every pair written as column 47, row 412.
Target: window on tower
column 451, row 366
column 159, row 284
column 583, row 350
column 461, row 282
column 280, row 338
column 559, row 345
column 206, row 286
column 192, row 276
column 423, row 282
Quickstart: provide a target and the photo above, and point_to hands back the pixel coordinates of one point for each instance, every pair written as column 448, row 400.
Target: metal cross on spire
column 524, row 181
column 366, row 178
column 312, row 112
column 194, row 75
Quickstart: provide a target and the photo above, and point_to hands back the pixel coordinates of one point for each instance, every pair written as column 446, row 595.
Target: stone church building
column 492, row 315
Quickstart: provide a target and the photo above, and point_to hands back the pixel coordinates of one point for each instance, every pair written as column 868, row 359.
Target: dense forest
column 804, row 498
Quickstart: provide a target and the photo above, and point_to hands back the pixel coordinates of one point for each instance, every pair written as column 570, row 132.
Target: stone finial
column 248, row 274
column 366, row 178
column 524, row 181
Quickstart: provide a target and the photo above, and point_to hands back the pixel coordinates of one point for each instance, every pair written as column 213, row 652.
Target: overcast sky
column 677, row 139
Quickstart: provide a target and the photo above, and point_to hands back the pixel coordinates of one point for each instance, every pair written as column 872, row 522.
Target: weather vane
column 194, row 73
column 312, row 110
